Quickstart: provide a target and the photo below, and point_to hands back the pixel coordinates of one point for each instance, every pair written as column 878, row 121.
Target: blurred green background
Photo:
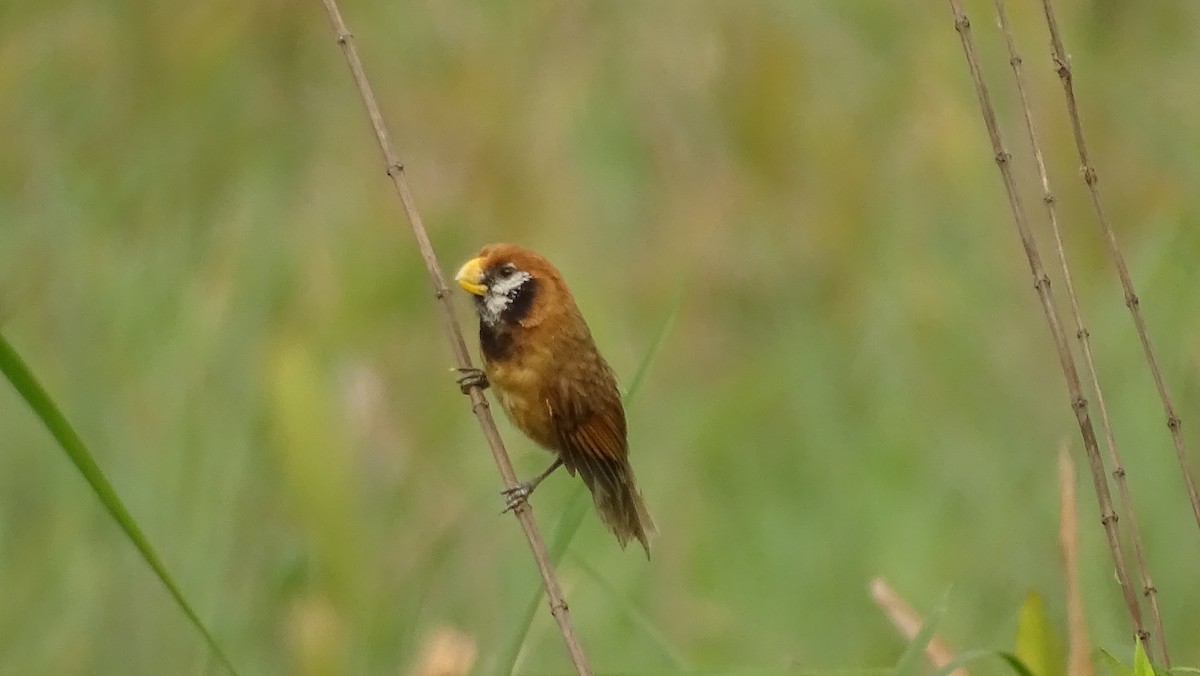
column 201, row 257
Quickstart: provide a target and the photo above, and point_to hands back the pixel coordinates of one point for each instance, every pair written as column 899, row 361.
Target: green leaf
column 1036, row 646
column 974, row 655
column 47, row 411
column 1016, row 664
column 1141, row 663
column 1115, row 666
column 963, row 659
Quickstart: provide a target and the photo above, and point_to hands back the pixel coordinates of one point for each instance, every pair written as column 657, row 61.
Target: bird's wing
column 592, row 441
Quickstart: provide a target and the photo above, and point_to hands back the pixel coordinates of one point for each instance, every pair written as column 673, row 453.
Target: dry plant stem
column 1079, row 660
column 1062, row 65
column 1041, row 283
column 909, row 623
column 479, row 405
column 1083, row 336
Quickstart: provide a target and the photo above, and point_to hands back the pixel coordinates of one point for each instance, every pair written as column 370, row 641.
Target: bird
column 542, row 363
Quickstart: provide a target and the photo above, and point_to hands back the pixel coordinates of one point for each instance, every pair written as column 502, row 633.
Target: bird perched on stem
column 539, row 358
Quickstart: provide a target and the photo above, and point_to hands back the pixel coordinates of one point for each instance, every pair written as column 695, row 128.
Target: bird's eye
column 508, row 269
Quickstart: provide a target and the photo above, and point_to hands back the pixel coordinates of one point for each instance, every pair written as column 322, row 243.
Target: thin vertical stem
column 1083, row 336
column 479, row 405
column 1062, row 65
column 1041, row 283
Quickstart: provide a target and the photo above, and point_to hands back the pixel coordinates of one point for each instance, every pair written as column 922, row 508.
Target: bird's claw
column 471, row 377
column 516, row 496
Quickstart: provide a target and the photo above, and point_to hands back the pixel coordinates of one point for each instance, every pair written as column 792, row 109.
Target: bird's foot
column 519, row 495
column 516, row 496
column 470, row 377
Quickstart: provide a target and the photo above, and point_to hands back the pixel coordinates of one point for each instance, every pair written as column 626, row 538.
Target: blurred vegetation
column 202, row 260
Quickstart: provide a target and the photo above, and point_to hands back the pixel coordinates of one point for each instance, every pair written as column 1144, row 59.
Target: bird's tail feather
column 620, row 504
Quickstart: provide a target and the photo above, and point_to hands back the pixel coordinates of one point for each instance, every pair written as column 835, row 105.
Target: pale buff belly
column 520, row 392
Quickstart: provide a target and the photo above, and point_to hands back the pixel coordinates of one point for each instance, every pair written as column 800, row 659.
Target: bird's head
column 512, row 285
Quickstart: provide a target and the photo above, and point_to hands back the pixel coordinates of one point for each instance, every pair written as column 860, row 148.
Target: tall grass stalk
column 1083, row 336
column 1062, row 66
column 479, row 405
column 1041, row 283
column 28, row 387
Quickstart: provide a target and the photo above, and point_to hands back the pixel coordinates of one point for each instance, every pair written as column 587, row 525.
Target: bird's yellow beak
column 470, row 275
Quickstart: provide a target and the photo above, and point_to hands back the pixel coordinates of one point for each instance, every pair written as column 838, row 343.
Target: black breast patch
column 520, row 302
column 495, row 342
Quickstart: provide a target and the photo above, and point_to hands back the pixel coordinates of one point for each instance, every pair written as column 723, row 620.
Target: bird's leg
column 470, row 377
column 519, row 494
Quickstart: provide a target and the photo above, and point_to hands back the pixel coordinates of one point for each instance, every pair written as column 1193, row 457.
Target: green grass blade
column 1016, row 664
column 635, row 614
column 43, row 406
column 568, row 526
column 963, row 659
column 512, row 649
column 773, row 670
column 910, row 660
column 639, row 376
column 434, row 559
